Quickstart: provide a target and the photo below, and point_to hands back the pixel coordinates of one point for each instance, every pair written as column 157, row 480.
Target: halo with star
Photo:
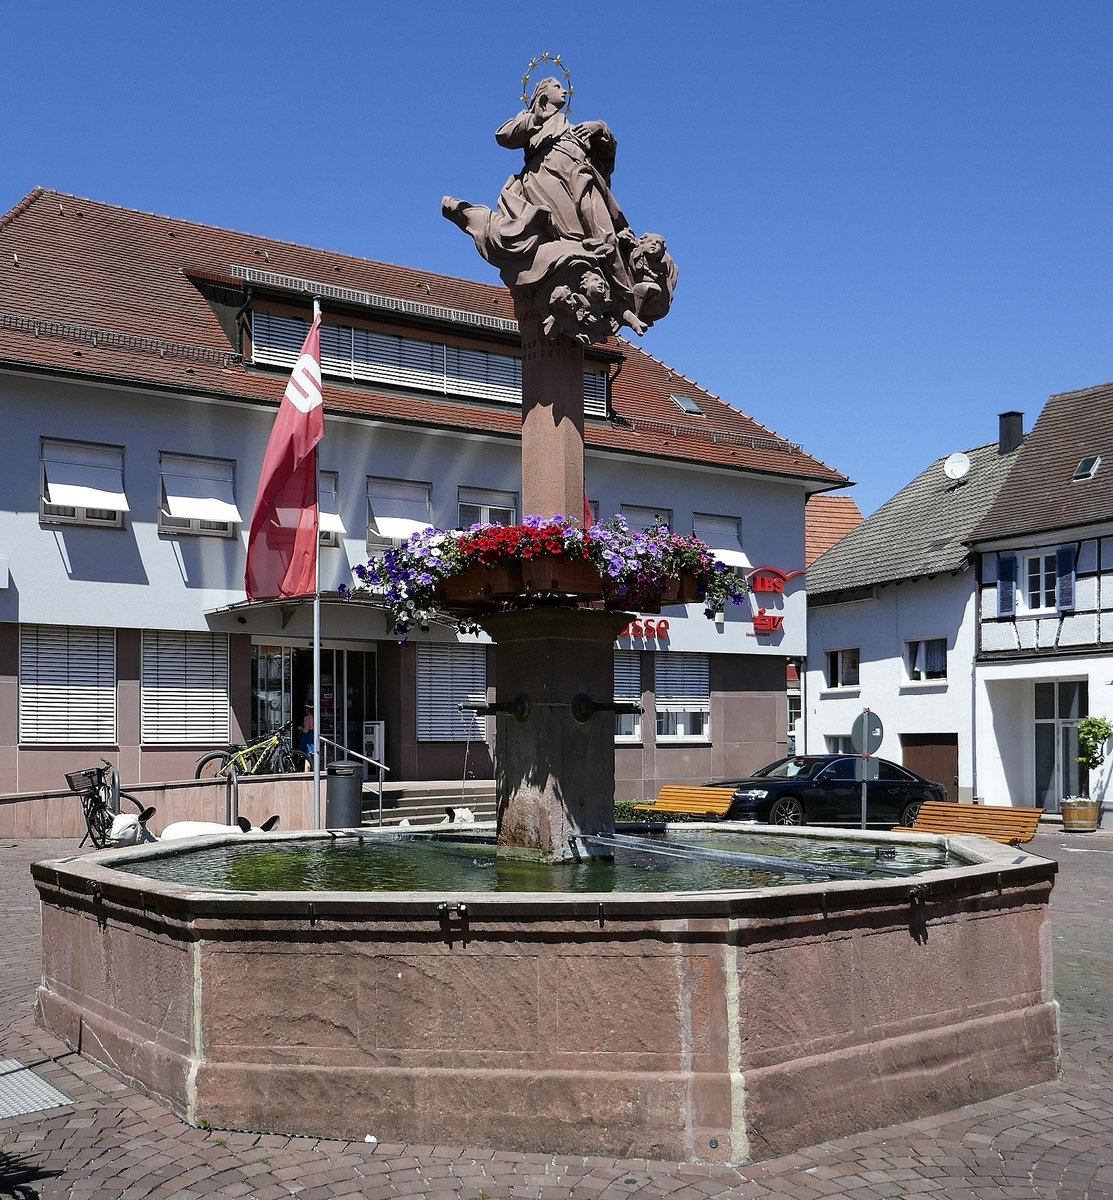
column 540, row 60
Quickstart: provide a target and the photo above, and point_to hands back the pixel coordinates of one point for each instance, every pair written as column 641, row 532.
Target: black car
column 823, row 789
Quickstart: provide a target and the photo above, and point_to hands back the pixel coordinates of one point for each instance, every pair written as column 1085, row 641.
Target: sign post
column 865, row 736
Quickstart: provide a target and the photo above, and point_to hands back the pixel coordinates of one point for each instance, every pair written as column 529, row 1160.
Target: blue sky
column 892, row 220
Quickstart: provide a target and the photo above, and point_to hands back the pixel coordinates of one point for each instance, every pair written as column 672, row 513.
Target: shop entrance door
column 348, row 696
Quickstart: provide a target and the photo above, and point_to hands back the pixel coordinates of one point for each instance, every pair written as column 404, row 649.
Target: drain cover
column 22, row 1091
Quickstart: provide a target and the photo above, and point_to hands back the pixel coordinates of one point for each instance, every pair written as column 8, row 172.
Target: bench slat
column 700, row 801
column 1010, row 826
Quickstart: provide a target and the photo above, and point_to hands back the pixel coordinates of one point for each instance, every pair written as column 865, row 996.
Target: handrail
column 381, row 767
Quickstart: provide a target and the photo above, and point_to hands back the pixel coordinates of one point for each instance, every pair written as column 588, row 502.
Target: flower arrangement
column 636, row 569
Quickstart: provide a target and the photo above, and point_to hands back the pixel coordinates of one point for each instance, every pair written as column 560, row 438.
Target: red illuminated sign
column 770, row 579
column 766, row 623
column 647, row 627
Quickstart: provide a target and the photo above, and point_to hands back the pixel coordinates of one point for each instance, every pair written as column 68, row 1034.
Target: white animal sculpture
column 130, row 829
column 458, row 816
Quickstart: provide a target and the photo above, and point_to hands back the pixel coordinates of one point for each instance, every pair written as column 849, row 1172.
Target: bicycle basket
column 83, row 781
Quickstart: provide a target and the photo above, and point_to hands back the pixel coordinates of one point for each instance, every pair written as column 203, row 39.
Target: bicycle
column 99, row 789
column 272, row 754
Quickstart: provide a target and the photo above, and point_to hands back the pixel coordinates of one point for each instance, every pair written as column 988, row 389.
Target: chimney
column 1010, row 431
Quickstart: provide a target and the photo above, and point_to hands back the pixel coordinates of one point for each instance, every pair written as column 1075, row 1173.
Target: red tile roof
column 95, row 290
column 827, row 520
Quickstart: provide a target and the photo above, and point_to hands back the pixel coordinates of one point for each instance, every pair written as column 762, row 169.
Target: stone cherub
column 558, row 236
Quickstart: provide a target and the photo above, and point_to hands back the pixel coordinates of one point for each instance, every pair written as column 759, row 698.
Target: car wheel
column 910, row 813
column 786, row 811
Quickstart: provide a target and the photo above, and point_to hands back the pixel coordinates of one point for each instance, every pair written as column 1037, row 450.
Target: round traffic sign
column 867, row 732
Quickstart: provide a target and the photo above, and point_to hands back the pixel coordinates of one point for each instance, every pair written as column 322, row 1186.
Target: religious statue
column 558, row 237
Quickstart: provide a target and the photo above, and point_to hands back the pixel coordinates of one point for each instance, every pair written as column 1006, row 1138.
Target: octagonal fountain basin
column 716, row 994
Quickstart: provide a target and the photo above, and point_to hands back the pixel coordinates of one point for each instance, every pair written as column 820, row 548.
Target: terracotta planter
column 548, row 575
column 481, row 585
column 1080, row 815
column 682, row 590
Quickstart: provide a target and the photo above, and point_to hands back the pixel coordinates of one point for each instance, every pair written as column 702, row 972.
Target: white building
column 141, row 361
column 892, row 620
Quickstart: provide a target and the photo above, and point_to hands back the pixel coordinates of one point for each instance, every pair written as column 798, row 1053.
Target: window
column 926, row 659
column 688, row 405
column 628, row 686
column 448, row 676
column 839, row 743
column 642, row 518
column 184, row 687
column 198, row 495
column 1087, row 468
column 1039, row 573
column 328, row 504
column 683, row 697
column 842, row 668
column 81, row 483
column 67, row 684
column 363, row 355
column 724, row 536
column 487, row 508
column 396, row 509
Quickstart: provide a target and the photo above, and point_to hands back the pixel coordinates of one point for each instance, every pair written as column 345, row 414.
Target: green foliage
column 1093, row 733
column 624, row 811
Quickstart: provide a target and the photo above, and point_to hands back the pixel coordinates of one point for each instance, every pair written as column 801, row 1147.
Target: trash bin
column 344, row 795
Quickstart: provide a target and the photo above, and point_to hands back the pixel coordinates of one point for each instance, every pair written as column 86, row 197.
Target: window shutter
column 595, row 394
column 682, row 683
column 1064, row 578
column 277, row 339
column 184, row 687
column 67, row 684
column 627, row 675
column 448, row 675
column 1006, row 585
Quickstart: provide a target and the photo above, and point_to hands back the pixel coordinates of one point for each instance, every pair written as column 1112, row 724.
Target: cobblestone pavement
column 1053, row 1140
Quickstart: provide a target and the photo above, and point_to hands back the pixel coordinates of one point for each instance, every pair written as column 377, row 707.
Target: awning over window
column 84, row 476
column 398, row 527
column 199, row 490
column 722, row 534
column 733, row 558
column 330, row 522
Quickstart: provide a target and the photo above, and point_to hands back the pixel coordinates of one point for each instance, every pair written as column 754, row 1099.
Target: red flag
column 282, row 544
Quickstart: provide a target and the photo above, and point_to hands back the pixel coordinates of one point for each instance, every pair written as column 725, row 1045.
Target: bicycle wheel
column 292, row 762
column 98, row 818
column 213, row 766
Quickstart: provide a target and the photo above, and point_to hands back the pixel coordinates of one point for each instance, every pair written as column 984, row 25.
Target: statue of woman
column 559, row 208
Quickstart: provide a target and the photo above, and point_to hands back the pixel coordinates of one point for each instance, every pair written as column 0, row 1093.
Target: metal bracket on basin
column 446, row 909
column 584, row 708
column 519, row 708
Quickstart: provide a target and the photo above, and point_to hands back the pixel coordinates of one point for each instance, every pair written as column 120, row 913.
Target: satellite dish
column 956, row 466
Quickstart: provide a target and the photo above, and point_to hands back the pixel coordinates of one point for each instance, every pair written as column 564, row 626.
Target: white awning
column 399, row 527
column 733, row 558
column 84, row 485
column 330, row 522
column 196, row 499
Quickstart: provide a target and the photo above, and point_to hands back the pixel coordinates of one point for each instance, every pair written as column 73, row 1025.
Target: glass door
column 1059, row 706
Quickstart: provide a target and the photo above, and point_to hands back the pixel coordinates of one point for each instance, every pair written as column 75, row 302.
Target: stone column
column 552, row 421
column 555, row 773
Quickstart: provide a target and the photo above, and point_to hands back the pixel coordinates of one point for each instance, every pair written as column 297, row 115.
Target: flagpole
column 317, row 643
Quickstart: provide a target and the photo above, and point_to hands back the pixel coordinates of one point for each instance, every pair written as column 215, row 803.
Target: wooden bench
column 695, row 801
column 1008, row 825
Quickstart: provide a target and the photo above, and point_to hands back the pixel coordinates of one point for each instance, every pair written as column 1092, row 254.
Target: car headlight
column 751, row 794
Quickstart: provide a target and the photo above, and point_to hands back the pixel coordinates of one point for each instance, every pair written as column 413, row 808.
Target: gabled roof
column 827, row 520
column 921, row 531
column 1039, row 495
column 96, row 291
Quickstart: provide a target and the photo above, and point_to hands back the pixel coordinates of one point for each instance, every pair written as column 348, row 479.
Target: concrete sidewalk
column 1054, row 1140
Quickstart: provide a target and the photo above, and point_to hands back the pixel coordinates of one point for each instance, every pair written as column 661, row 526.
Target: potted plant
column 1081, row 814
column 542, row 561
